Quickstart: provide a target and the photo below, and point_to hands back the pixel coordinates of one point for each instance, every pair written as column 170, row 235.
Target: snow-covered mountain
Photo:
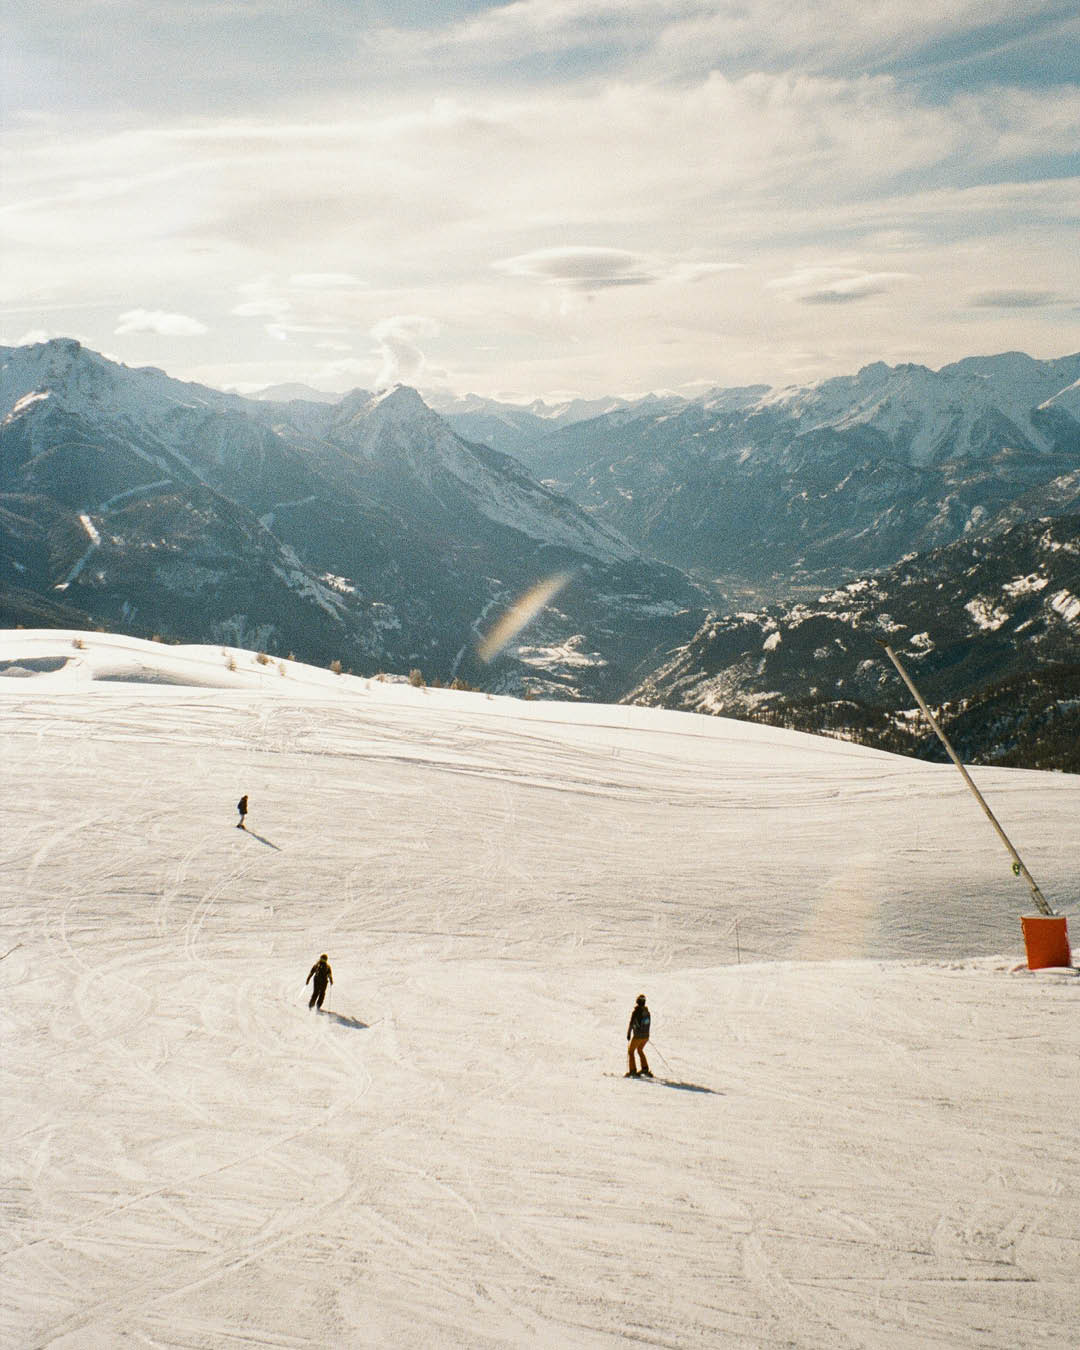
column 997, row 612
column 970, row 409
column 513, row 427
column 418, row 460
column 293, row 392
column 807, row 484
column 502, row 426
column 367, row 531
column 364, row 530
column 863, row 1127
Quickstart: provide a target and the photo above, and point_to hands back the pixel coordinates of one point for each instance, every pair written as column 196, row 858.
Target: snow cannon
column 1046, row 940
column 1046, row 934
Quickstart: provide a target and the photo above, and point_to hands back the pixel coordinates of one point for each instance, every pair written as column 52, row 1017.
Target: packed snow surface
column 865, row 1126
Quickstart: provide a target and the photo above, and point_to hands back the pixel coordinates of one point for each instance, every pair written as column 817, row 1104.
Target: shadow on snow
column 671, row 1083
column 687, row 1087
column 261, row 840
column 343, row 1021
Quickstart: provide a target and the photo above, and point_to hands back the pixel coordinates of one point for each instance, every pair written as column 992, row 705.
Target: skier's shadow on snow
column 687, row 1087
column 674, row 1083
column 261, row 839
column 343, row 1021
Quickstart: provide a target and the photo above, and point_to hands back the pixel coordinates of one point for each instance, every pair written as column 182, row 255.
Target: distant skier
column 322, row 975
column 637, row 1033
column 241, row 806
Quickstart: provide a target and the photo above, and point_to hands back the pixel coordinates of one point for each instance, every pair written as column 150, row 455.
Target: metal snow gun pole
column 1047, row 945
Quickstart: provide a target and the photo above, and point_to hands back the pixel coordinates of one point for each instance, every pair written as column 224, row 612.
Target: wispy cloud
column 31, row 337
column 836, row 286
column 1018, row 298
column 585, row 268
column 503, row 161
column 401, row 359
column 160, row 322
column 213, row 58
column 965, row 44
column 582, row 269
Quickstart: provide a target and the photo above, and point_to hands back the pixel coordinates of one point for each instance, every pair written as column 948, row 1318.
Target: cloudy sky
column 540, row 197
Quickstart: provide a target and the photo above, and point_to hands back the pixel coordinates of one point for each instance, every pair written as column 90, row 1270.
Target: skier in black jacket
column 322, row 975
column 637, row 1033
column 241, row 806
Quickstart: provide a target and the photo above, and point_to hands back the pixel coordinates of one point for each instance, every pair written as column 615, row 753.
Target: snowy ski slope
column 869, row 1130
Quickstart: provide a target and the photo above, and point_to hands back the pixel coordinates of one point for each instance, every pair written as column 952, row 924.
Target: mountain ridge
column 804, row 485
column 371, row 516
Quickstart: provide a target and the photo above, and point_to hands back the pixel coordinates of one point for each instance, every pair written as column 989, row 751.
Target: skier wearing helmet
column 322, row 975
column 637, row 1033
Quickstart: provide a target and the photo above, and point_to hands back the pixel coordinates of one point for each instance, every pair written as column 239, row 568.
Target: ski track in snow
column 867, row 1134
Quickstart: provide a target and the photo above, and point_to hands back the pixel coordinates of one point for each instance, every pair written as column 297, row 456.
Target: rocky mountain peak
column 401, row 398
column 401, row 408
column 401, row 404
column 63, row 347
column 397, row 422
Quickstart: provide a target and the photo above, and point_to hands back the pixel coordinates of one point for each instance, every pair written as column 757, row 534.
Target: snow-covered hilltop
column 863, row 1130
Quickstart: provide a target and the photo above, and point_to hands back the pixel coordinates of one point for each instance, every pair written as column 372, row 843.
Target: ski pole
column 654, row 1046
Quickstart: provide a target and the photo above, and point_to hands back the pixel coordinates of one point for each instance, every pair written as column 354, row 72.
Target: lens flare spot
column 522, row 612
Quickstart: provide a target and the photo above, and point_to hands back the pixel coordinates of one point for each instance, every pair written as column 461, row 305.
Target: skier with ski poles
column 637, row 1033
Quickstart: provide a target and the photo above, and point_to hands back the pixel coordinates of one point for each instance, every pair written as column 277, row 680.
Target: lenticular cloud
column 161, row 322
